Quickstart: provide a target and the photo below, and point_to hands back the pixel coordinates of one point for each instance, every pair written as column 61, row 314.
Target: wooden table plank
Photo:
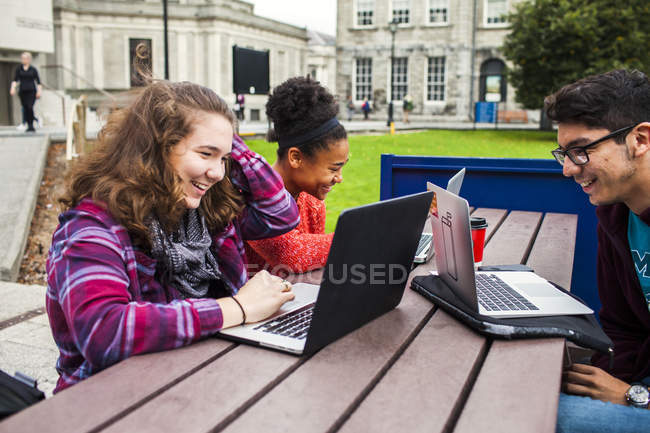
column 105, row 396
column 552, row 254
column 512, row 241
column 428, row 397
column 517, row 389
column 494, row 218
column 422, row 391
column 212, row 395
column 524, row 370
column 319, row 394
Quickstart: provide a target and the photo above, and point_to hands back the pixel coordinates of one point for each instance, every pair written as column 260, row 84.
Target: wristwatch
column 638, row 395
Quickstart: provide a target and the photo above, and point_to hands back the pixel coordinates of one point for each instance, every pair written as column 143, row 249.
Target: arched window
column 493, row 81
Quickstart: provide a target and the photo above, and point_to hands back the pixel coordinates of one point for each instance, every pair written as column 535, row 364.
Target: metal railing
column 79, row 77
column 76, row 127
column 58, row 93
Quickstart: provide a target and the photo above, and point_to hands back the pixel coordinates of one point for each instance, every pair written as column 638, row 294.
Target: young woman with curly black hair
column 312, row 150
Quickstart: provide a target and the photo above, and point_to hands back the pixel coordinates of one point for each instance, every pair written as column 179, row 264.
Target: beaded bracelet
column 243, row 313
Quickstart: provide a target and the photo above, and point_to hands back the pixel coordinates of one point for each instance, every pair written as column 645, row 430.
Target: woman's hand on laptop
column 263, row 295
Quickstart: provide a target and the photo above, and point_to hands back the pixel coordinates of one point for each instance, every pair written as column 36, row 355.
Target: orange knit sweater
column 302, row 249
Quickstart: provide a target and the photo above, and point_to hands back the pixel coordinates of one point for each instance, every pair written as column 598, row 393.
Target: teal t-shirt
column 638, row 234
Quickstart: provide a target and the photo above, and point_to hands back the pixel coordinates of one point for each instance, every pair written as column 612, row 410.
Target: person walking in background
column 365, row 108
column 239, row 106
column 350, row 107
column 28, row 82
column 407, row 107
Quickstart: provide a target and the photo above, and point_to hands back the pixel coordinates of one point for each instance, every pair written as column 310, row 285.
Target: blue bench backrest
column 507, row 183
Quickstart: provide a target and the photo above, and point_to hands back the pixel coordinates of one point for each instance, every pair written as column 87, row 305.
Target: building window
column 144, row 64
column 399, row 74
column 401, row 11
column 365, row 11
column 436, row 79
column 438, row 11
column 496, row 11
column 363, row 79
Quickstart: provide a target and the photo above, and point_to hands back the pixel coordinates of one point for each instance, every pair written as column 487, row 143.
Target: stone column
column 181, row 58
column 98, row 57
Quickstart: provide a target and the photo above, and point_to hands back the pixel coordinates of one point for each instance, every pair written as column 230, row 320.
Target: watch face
column 638, row 394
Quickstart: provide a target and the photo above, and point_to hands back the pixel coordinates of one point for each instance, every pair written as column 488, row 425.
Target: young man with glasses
column 604, row 144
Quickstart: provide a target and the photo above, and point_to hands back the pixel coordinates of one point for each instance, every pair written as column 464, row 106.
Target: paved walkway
column 380, row 127
column 21, row 169
column 26, row 342
column 355, row 126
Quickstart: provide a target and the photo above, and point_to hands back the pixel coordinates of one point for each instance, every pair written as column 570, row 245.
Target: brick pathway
column 26, row 342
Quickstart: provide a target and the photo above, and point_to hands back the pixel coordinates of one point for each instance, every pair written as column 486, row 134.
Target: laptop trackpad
column 305, row 294
column 537, row 290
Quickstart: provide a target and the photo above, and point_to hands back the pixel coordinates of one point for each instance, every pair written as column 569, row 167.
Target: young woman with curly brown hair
column 312, row 150
column 148, row 254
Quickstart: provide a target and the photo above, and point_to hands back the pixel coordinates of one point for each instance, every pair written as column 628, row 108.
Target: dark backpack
column 17, row 393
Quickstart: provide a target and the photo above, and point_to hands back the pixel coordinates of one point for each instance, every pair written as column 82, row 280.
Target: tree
column 556, row 42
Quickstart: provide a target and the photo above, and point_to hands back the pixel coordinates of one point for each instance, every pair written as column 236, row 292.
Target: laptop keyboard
column 425, row 239
column 495, row 295
column 294, row 324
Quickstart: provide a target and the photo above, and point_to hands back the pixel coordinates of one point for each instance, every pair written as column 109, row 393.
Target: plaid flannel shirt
column 103, row 300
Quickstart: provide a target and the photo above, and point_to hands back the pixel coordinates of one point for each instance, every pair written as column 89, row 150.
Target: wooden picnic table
column 413, row 369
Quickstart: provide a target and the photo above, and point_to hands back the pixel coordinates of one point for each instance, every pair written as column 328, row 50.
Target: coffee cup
column 478, row 225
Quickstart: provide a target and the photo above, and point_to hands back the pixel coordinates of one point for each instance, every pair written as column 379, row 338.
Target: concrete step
column 21, row 169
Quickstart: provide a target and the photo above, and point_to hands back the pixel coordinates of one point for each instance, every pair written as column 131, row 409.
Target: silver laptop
column 497, row 294
column 365, row 276
column 424, row 251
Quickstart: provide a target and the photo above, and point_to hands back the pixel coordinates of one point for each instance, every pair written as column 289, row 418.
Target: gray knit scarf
column 185, row 256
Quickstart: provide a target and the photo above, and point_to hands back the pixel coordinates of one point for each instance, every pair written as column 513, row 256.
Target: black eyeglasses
column 578, row 154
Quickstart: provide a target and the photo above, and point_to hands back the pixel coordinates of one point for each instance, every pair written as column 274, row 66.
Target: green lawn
column 361, row 175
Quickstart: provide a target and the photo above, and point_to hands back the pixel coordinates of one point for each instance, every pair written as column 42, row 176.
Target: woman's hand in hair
column 263, row 295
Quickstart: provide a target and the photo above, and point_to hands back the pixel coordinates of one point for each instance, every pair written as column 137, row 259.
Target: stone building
column 95, row 42
column 446, row 55
column 25, row 25
column 321, row 59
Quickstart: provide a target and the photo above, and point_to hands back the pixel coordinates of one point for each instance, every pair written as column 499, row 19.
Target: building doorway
column 493, row 81
column 9, row 105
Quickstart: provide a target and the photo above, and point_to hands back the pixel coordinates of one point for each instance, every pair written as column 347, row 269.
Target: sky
column 319, row 15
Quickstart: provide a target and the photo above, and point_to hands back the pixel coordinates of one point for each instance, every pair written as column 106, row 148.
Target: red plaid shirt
column 103, row 299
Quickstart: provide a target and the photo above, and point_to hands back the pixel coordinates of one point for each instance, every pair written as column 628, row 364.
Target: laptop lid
column 455, row 263
column 368, row 266
column 452, row 243
column 456, row 182
column 365, row 275
column 426, row 247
